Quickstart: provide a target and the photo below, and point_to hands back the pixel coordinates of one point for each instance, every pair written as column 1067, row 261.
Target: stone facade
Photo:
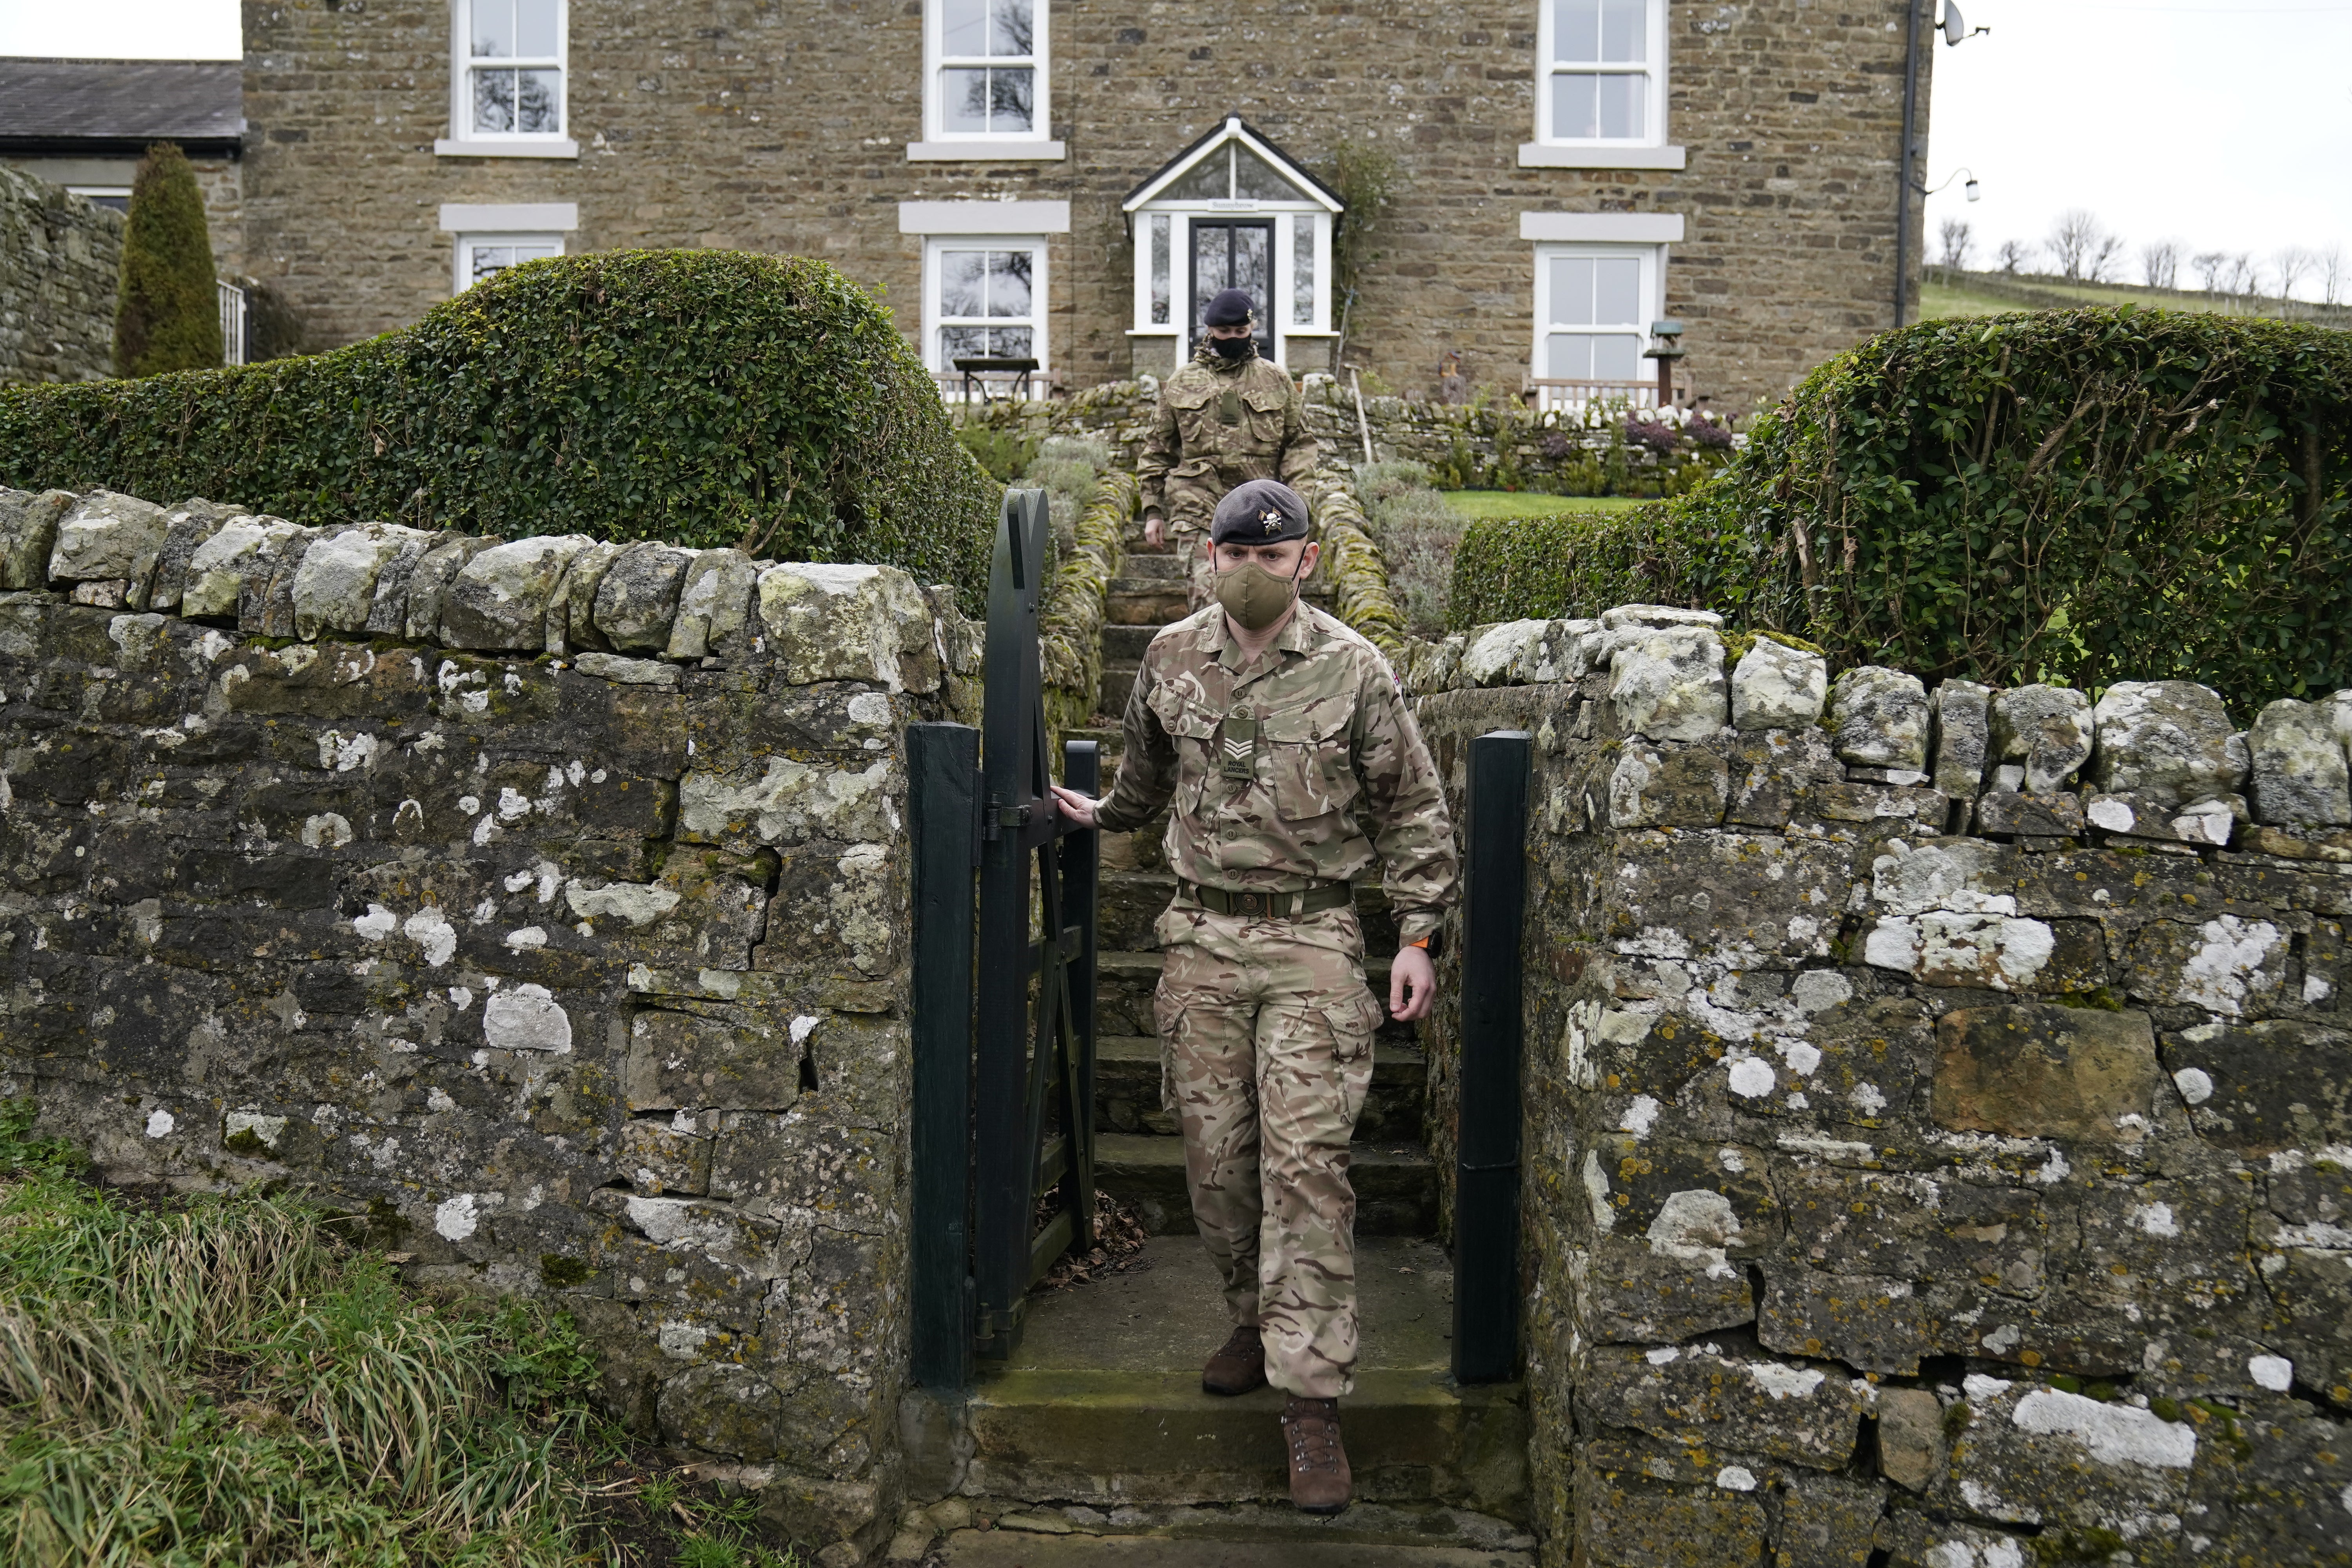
column 60, row 259
column 434, row 874
column 783, row 128
column 1921, row 1169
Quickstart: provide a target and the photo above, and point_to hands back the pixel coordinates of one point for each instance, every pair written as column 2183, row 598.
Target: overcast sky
column 2221, row 123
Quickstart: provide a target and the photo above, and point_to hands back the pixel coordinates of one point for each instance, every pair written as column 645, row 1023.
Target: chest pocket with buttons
column 1194, row 728
column 1314, row 767
column 1263, row 408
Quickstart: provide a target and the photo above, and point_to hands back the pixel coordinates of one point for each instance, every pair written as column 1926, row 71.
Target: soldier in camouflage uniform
column 1226, row 418
column 1294, row 769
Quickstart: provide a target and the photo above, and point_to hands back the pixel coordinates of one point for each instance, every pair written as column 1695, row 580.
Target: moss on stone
column 1070, row 615
column 1352, row 565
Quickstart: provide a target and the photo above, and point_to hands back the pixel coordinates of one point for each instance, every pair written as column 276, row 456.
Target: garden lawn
column 1529, row 503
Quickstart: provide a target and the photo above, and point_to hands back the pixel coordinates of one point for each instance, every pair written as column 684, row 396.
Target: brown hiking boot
column 1320, row 1481
column 1237, row 1368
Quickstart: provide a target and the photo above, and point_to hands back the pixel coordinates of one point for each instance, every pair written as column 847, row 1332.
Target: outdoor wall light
column 1973, row 191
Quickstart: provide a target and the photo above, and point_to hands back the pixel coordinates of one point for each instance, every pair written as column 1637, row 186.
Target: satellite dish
column 1955, row 27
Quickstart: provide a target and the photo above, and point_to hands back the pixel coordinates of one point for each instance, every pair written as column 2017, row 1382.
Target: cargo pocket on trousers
column 1353, row 1020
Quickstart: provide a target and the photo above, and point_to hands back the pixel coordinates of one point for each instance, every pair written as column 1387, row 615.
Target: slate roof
column 120, row 106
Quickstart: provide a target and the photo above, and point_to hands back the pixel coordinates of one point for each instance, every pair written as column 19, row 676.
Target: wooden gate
column 1004, row 900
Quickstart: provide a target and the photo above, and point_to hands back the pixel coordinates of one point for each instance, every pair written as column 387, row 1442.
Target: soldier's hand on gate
column 1155, row 529
column 1078, row 808
column 1413, row 984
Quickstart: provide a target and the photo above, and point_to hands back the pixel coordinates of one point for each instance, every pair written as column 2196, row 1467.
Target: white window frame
column 464, row 141
column 1040, row 296
column 1650, row 301
column 1148, row 206
column 462, row 262
column 1646, row 151
column 939, row 144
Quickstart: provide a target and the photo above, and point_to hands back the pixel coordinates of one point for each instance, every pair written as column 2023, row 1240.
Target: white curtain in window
column 1601, row 69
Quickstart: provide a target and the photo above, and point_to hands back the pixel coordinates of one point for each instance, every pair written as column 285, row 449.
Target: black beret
column 1263, row 511
column 1230, row 308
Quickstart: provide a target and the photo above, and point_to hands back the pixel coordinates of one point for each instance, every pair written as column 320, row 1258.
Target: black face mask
column 1232, row 348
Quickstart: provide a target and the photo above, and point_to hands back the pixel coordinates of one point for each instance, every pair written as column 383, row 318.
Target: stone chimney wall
column 1938, row 1105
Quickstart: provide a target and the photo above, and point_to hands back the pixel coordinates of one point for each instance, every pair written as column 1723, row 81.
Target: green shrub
column 1418, row 534
column 2081, row 496
column 705, row 397
column 1004, row 453
column 1566, row 564
column 2077, row 496
column 167, row 305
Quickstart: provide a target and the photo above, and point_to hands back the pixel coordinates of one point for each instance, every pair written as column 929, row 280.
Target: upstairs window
column 988, row 71
column 511, row 69
column 1604, row 77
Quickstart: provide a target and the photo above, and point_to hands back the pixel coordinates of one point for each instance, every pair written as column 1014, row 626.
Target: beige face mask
column 1255, row 596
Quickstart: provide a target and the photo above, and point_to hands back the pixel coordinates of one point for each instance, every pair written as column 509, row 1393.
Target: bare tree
column 2075, row 239
column 1957, row 239
column 2104, row 258
column 2245, row 276
column 2013, row 255
column 2213, row 267
column 2288, row 266
column 2160, row 263
column 2329, row 264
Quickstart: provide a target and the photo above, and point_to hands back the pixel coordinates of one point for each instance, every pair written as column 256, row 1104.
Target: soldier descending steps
column 1279, row 740
column 1227, row 417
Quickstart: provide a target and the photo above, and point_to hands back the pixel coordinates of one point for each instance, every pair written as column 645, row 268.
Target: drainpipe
column 1902, row 159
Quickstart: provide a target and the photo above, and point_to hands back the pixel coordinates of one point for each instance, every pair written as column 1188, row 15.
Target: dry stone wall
column 59, row 256
column 1539, row 448
column 1938, row 1140
column 435, row 875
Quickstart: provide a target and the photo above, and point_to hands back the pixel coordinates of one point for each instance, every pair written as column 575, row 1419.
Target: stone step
column 1132, row 900
column 1100, row 1404
column 1395, row 1182
column 1118, row 685
column 1145, row 602
column 1127, row 1091
column 1015, row 1545
column 1123, row 645
column 1160, row 565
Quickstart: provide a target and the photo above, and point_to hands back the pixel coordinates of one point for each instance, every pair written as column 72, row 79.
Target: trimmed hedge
column 1566, row 564
column 2076, row 496
column 703, row 397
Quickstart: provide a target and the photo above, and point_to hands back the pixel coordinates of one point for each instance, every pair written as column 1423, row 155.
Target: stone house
column 1067, row 180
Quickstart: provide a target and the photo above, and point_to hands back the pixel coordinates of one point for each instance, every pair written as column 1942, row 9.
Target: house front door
column 1234, row 253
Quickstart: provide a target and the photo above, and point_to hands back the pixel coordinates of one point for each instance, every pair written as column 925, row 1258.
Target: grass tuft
column 231, row 1380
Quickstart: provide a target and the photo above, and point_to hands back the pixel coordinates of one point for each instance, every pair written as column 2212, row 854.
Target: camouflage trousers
column 1189, row 542
column 1265, row 1031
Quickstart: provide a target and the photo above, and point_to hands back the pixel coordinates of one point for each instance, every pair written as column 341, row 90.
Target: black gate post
column 1487, row 1143
column 943, row 810
column 1081, row 870
column 1004, row 1168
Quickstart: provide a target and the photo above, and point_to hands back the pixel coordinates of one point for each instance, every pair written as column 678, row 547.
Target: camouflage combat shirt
column 1220, row 422
column 1303, row 767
